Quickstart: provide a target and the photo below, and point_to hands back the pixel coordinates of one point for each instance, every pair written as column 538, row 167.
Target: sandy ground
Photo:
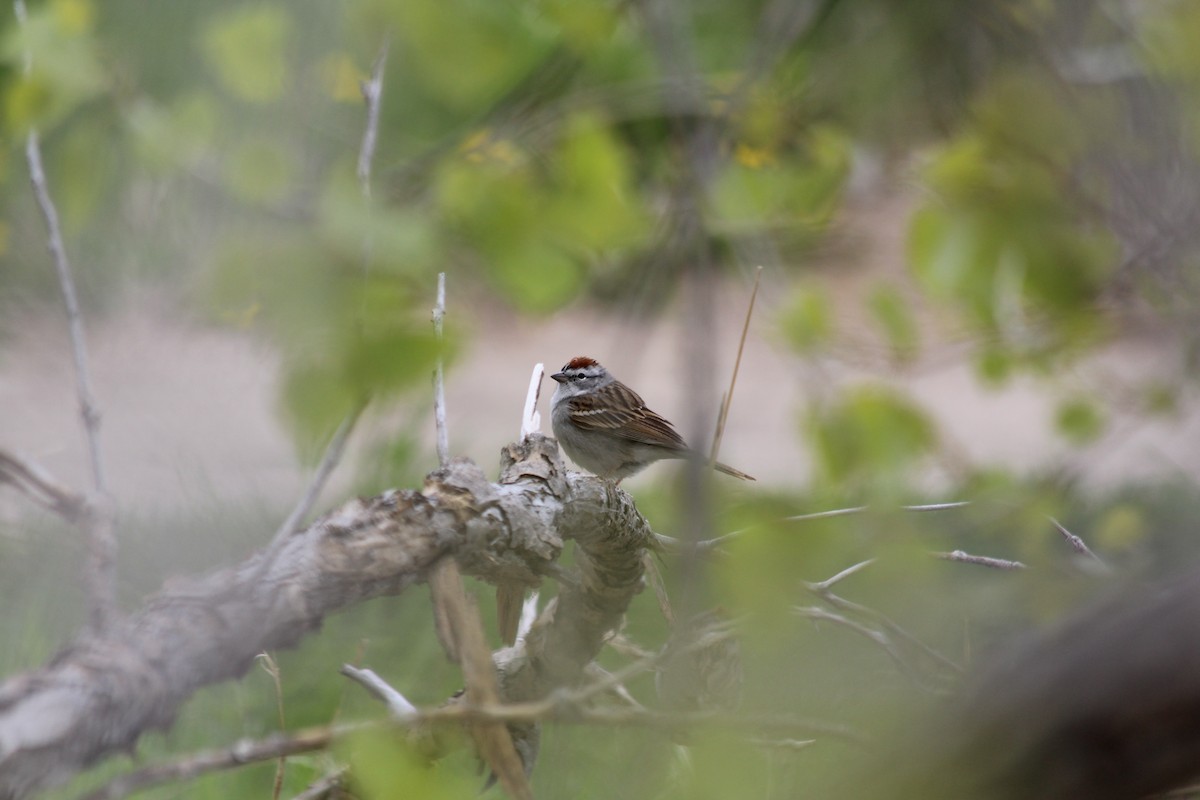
column 190, row 410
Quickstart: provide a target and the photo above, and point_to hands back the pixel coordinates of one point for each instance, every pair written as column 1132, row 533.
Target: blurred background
column 976, row 227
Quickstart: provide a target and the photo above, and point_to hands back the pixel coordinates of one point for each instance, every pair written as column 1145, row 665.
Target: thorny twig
column 1079, row 546
column 823, row 590
column 963, row 557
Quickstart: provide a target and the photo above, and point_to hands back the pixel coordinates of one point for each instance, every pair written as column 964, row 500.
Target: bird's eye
column 579, row 376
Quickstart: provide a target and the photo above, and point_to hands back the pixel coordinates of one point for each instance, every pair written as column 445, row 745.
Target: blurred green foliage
column 534, row 150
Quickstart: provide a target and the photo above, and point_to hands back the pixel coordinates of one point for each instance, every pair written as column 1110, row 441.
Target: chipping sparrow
column 605, row 427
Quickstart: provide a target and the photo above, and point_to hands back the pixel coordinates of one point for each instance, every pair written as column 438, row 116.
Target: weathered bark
column 101, row 693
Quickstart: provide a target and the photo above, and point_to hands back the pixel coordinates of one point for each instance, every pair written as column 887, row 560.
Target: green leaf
column 1080, row 421
column 384, row 359
column 1120, row 528
column 384, row 766
column 65, row 70
column 538, row 277
column 592, row 204
column 994, row 365
column 176, row 136
column 893, row 315
column 763, row 189
column 259, row 171
column 398, row 240
column 806, row 321
column 467, row 51
column 246, row 48
column 316, row 398
column 583, row 26
column 873, row 433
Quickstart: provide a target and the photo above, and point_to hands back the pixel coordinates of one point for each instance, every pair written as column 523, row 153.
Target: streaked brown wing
column 618, row 409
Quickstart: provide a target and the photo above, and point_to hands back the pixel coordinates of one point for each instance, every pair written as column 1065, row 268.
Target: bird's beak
column 561, row 377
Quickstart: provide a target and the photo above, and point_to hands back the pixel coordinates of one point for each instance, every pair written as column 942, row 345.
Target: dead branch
column 99, row 521
column 247, row 751
column 963, row 557
column 100, row 694
column 41, row 487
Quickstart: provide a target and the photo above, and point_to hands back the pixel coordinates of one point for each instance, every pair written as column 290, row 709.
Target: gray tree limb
column 99, row 695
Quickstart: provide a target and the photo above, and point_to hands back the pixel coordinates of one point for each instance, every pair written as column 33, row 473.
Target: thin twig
column 464, row 628
column 329, row 461
column 372, row 91
column 949, row 506
column 88, row 409
column 983, row 561
column 240, row 753
column 322, row 788
column 250, row 751
column 439, row 379
column 833, row 512
column 737, row 363
column 878, row 637
column 271, row 668
column 529, row 614
column 841, row 512
column 36, row 483
column 100, row 575
column 823, row 589
column 654, row 576
column 397, row 704
column 1079, row 546
column 825, row 585
column 531, row 420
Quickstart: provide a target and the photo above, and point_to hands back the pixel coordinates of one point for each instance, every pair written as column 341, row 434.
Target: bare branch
column 984, row 561
column 493, row 740
column 1079, row 546
column 100, row 575
column 551, row 710
column 825, row 585
column 531, row 420
column 329, row 462
column 397, row 704
column 714, row 543
column 841, row 512
column 823, row 590
column 246, row 751
column 272, row 668
column 953, row 504
column 439, row 379
column 737, row 363
column 89, row 411
column 324, row 787
column 833, row 512
column 881, row 639
column 99, row 696
column 372, row 91
column 30, row 479
column 529, row 614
